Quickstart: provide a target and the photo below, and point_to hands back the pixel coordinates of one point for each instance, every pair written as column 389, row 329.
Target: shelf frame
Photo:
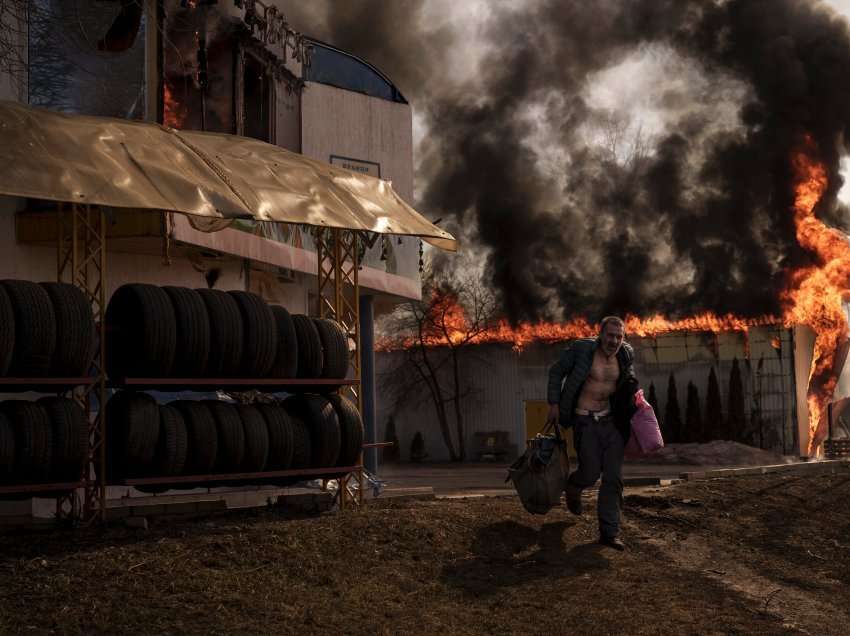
column 81, row 261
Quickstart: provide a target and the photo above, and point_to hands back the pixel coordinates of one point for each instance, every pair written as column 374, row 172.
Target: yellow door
column 535, row 420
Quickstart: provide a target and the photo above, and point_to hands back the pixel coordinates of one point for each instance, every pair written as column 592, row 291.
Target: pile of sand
column 716, row 453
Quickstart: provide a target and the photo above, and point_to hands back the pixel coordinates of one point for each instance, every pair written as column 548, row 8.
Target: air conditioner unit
column 286, row 275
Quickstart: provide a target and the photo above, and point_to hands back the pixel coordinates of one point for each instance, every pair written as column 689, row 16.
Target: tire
column 231, row 436
column 70, row 433
column 301, row 445
column 193, row 332
column 170, row 457
column 7, row 332
column 7, row 449
column 309, row 347
column 286, row 359
column 322, row 422
column 301, row 449
column 141, row 332
column 33, row 441
column 202, row 437
column 256, row 438
column 350, row 428
column 75, row 330
column 259, row 332
column 279, row 428
column 132, row 435
column 35, row 329
column 226, row 333
column 334, row 348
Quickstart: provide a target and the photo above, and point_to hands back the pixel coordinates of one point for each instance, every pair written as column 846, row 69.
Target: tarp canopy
column 129, row 164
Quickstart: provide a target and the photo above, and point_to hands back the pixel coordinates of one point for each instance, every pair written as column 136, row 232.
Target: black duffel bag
column 540, row 474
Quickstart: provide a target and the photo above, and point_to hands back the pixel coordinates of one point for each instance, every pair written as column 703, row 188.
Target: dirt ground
column 766, row 555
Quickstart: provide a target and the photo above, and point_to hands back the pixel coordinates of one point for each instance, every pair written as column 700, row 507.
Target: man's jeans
column 600, row 450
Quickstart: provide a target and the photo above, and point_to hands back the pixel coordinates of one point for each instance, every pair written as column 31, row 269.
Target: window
column 343, row 70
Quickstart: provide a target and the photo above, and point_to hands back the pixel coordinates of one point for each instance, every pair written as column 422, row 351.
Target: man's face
column 612, row 338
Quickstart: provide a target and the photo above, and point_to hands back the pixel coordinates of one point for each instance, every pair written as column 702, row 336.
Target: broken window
column 258, row 99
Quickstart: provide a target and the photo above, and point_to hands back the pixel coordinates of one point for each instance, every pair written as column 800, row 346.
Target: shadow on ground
column 507, row 553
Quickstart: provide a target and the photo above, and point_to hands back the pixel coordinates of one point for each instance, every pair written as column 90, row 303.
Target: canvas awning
column 128, row 164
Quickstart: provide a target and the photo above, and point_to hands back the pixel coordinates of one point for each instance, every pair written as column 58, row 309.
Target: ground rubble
column 763, row 554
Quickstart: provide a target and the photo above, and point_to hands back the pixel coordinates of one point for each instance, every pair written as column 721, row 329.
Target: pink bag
column 646, row 434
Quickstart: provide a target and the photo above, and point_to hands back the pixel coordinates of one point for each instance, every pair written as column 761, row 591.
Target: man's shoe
column 574, row 505
column 612, row 542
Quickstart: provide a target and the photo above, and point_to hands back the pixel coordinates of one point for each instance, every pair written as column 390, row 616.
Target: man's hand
column 553, row 414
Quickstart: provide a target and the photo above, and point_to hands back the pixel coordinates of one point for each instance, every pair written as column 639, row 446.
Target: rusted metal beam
column 182, row 479
column 66, row 486
column 81, row 261
column 223, row 382
column 52, row 382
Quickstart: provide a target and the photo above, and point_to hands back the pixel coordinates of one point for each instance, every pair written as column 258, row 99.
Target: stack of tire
column 46, row 330
column 45, row 441
column 212, row 437
column 161, row 332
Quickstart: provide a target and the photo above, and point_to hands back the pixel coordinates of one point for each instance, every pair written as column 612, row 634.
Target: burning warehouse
column 706, row 381
column 683, row 160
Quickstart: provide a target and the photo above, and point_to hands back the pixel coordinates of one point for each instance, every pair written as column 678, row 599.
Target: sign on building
column 357, row 165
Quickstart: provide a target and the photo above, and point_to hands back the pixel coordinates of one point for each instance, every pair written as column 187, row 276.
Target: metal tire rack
column 81, row 261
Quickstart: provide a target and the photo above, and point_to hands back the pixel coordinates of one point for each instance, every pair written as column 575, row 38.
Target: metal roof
column 130, row 164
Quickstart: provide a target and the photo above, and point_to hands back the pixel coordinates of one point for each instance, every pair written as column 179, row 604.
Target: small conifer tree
column 391, row 453
column 713, row 423
column 736, row 422
column 693, row 416
column 672, row 414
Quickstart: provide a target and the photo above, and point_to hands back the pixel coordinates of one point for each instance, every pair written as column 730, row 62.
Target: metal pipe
column 367, row 379
column 829, row 419
column 343, row 471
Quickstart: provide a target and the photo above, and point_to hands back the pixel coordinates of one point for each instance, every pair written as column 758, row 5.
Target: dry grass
column 753, row 555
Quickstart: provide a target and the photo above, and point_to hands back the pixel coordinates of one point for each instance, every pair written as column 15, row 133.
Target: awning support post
column 339, row 300
column 81, row 261
column 367, row 383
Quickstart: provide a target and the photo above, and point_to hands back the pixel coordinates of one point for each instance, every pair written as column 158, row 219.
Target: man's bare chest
column 604, row 370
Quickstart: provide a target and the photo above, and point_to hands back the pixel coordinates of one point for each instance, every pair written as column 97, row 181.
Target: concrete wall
column 13, row 85
column 186, row 268
column 337, row 122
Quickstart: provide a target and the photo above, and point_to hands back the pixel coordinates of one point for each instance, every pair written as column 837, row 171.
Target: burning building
column 229, row 67
column 708, row 379
column 217, row 67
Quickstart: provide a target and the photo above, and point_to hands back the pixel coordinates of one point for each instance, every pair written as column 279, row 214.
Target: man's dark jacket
column 573, row 368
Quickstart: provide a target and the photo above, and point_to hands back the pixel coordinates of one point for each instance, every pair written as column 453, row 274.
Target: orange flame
column 454, row 328
column 816, row 293
column 174, row 113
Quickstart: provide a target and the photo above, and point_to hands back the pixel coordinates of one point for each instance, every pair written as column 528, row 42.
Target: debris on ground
column 715, row 453
column 766, row 554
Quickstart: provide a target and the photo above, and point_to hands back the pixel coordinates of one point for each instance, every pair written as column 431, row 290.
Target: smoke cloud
column 579, row 210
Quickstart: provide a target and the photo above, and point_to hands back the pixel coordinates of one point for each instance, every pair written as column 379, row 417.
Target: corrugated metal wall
column 501, row 380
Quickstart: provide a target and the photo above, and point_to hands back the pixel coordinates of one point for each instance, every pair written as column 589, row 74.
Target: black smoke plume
column 698, row 217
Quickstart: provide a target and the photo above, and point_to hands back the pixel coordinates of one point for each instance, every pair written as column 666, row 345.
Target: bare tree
column 626, row 144
column 430, row 337
column 13, row 40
